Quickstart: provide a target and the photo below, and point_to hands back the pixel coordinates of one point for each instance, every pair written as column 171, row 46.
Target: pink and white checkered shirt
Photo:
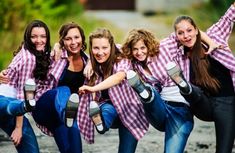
column 125, row 101
column 55, row 71
column 172, row 50
column 20, row 69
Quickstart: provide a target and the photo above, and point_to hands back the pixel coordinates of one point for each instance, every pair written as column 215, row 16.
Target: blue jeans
column 177, row 122
column 110, row 118
column 49, row 112
column 11, row 106
column 28, row 142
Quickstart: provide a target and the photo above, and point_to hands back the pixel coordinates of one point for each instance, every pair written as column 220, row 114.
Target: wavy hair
column 147, row 37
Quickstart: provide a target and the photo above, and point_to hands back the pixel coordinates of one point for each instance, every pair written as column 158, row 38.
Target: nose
column 73, row 40
column 186, row 35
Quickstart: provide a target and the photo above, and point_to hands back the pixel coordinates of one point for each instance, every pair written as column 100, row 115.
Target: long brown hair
column 199, row 59
column 147, row 37
column 104, row 69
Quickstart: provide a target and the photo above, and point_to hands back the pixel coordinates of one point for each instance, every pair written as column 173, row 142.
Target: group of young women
column 131, row 85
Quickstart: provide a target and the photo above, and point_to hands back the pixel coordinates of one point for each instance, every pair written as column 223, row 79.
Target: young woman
column 173, row 115
column 31, row 61
column 211, row 95
column 65, row 77
column 118, row 105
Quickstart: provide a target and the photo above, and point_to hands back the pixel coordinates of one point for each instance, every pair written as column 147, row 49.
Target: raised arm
column 223, row 28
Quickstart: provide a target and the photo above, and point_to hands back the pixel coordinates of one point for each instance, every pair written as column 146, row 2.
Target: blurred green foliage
column 221, row 5
column 16, row 14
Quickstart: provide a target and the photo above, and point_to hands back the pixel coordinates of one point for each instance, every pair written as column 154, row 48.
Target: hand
column 56, row 52
column 88, row 71
column 214, row 47
column 16, row 136
column 3, row 78
column 85, row 89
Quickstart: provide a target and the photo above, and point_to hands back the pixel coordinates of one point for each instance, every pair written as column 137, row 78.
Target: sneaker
column 143, row 91
column 94, row 113
column 29, row 92
column 71, row 109
column 175, row 73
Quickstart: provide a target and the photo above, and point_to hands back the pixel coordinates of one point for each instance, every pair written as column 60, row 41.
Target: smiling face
column 73, row 41
column 39, row 38
column 186, row 33
column 140, row 50
column 101, row 49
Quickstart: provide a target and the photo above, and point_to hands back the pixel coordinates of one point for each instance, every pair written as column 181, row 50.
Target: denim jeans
column 221, row 110
column 11, row 106
column 49, row 112
column 110, row 118
column 176, row 122
column 28, row 142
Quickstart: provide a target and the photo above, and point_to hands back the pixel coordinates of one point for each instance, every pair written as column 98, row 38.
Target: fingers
column 88, row 72
column 3, row 78
column 16, row 141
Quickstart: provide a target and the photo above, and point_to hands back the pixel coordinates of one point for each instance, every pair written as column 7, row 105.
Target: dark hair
column 104, row 69
column 199, row 59
column 42, row 57
column 64, row 31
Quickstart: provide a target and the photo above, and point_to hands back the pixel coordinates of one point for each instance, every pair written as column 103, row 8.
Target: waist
column 176, row 104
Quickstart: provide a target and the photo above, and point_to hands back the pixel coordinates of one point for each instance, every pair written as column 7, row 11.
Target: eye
column 67, row 39
column 189, row 30
column 143, row 47
column 77, row 37
column 179, row 33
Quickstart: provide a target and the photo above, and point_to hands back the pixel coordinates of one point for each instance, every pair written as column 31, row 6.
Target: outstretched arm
column 107, row 83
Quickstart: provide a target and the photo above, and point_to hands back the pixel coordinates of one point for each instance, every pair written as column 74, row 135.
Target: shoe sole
column 71, row 109
column 174, row 72
column 30, row 86
column 132, row 78
column 94, row 113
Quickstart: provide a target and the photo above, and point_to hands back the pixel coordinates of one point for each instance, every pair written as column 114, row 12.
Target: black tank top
column 73, row 80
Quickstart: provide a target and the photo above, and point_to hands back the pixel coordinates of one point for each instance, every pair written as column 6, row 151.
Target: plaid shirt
column 172, row 50
column 20, row 69
column 125, row 101
column 55, row 72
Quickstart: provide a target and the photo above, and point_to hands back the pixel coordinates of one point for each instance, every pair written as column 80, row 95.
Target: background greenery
column 16, row 14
